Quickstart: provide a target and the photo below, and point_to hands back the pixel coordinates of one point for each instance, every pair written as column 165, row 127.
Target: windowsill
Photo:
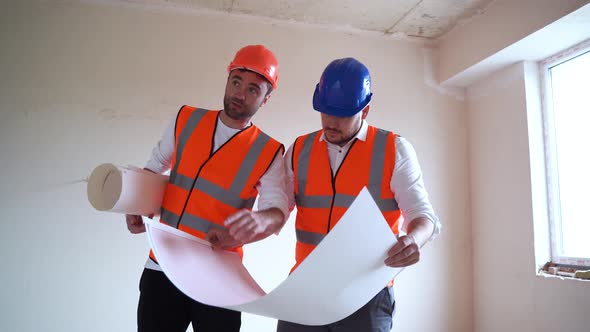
column 561, row 276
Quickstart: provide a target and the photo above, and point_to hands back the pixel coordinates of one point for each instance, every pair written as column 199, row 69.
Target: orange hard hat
column 258, row 59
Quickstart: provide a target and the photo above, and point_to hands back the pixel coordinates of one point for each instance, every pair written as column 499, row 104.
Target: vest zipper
column 334, row 184
column 333, row 199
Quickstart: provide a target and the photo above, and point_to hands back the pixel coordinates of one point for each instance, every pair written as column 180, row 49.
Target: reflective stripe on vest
column 337, row 199
column 250, row 163
column 189, row 220
column 376, row 171
column 309, row 237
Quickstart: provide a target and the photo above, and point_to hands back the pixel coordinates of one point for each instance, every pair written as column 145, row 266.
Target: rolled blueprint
column 128, row 190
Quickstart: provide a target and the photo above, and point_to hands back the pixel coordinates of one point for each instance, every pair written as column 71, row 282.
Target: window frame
column 550, row 153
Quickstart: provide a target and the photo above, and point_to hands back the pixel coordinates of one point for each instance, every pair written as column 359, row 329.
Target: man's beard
column 342, row 139
column 244, row 113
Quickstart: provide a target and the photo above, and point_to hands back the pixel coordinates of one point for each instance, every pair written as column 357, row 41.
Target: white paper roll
column 128, row 190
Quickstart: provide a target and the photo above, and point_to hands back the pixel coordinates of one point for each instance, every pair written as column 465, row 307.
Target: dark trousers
column 375, row 316
column 163, row 308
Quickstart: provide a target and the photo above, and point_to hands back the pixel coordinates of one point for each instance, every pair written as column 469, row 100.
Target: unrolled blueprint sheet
column 342, row 274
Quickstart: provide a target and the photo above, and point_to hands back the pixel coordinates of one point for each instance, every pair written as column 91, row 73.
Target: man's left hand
column 247, row 226
column 405, row 252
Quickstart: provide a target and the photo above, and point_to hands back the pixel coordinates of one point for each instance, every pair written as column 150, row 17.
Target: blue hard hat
column 344, row 88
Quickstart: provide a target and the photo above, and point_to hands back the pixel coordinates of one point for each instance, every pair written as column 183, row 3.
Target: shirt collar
column 220, row 123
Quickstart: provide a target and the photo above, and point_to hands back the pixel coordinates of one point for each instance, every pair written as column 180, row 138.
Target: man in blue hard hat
column 328, row 167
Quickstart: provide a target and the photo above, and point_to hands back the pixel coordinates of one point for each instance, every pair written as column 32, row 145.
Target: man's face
column 245, row 93
column 339, row 130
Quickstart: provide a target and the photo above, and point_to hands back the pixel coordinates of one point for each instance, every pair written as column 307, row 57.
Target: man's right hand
column 221, row 239
column 135, row 224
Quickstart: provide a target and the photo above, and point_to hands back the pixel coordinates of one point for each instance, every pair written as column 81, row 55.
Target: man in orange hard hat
column 219, row 163
column 327, row 169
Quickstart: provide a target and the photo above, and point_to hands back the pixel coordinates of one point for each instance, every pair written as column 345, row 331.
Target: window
column 566, row 115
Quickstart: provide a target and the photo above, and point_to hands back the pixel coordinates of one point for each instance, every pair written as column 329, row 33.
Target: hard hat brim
column 269, row 79
column 320, row 106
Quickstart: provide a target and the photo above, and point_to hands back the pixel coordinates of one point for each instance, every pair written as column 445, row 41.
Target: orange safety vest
column 322, row 198
column 207, row 186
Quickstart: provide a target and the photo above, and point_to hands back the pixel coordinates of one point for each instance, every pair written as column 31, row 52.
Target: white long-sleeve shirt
column 271, row 187
column 406, row 182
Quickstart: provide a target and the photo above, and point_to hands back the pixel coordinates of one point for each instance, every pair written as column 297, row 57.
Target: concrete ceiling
column 427, row 19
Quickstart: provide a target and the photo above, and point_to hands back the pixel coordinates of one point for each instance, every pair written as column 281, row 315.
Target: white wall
column 503, row 23
column 508, row 207
column 85, row 84
column 508, row 296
